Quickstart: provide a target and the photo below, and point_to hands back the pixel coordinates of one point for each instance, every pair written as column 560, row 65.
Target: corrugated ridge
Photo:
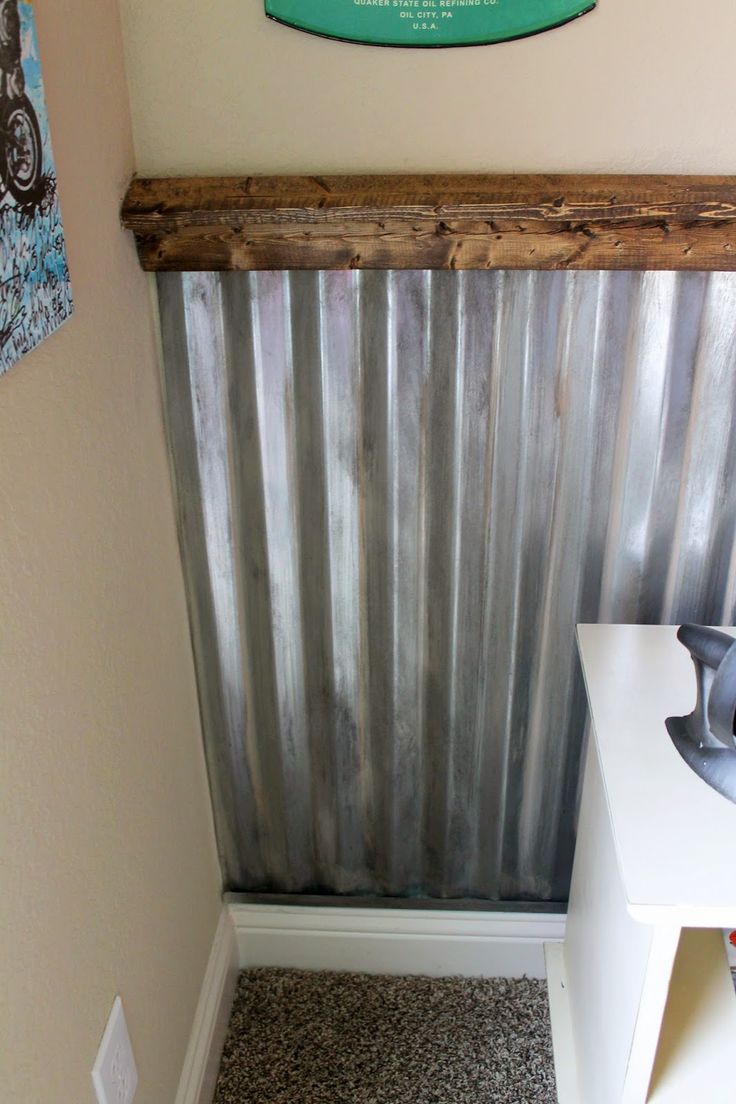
column 398, row 492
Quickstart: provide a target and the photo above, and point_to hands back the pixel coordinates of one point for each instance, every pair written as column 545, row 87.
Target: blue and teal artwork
column 35, row 293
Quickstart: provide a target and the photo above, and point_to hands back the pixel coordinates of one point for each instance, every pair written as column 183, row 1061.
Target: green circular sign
column 426, row 22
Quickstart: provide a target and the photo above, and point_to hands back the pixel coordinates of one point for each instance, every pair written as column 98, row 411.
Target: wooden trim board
column 202, row 1059
column 390, row 941
column 433, row 222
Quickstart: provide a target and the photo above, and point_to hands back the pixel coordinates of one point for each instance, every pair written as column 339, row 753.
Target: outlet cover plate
column 114, row 1075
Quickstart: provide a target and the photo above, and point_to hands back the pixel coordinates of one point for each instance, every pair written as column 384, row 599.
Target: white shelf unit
column 643, row 1008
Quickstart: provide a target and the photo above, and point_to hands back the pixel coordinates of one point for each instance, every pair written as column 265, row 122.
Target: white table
column 641, row 998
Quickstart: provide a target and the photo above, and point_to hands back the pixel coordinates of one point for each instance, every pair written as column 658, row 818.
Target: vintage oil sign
column 426, row 22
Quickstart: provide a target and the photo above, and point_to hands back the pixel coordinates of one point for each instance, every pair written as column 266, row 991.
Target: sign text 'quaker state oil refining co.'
column 426, row 22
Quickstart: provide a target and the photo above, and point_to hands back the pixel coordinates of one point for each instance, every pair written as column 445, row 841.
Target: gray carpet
column 331, row 1038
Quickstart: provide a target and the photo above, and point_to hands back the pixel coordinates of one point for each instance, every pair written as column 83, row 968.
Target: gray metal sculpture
column 706, row 738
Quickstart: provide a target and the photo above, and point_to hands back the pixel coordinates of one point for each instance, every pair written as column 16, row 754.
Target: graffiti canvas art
column 35, row 293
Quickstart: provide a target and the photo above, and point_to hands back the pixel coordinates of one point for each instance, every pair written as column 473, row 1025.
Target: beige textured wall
column 638, row 85
column 108, row 874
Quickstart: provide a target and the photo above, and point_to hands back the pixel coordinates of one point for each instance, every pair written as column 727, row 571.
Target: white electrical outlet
column 114, row 1075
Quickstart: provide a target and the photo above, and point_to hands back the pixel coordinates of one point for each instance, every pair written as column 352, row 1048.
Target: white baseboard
column 202, row 1059
column 390, row 941
column 438, row 943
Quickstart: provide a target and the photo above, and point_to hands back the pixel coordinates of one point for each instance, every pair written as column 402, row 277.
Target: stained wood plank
column 581, row 222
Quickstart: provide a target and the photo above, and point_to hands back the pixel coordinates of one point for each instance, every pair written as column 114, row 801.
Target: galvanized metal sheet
column 398, row 492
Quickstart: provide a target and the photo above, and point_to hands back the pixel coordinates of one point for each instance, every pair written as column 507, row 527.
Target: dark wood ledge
column 552, row 222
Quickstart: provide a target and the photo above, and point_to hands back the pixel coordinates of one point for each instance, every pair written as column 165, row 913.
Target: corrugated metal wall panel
column 398, row 492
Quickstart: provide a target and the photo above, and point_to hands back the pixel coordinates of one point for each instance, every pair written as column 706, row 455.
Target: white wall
column 638, row 85
column 108, row 875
